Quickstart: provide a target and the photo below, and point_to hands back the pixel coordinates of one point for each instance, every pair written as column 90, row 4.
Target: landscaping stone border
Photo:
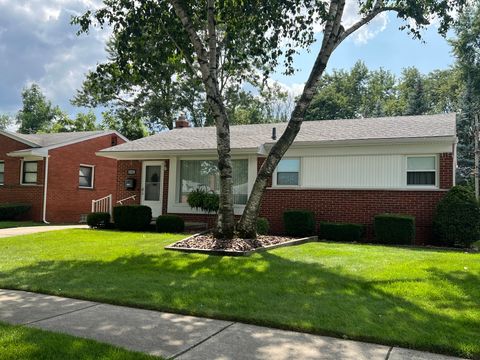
column 240, row 253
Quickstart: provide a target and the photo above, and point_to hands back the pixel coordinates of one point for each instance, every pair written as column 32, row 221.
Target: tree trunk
column 247, row 225
column 208, row 61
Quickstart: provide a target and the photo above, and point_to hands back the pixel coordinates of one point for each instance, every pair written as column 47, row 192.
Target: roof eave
column 18, row 138
column 159, row 154
column 451, row 139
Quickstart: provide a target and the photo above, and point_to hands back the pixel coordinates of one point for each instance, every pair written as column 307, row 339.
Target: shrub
column 132, row 217
column 13, row 211
column 394, row 229
column 341, row 231
column 299, row 222
column 262, row 226
column 98, row 220
column 202, row 199
column 457, row 218
column 170, row 224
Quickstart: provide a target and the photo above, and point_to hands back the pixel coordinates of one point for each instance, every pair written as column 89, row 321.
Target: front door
column 152, row 185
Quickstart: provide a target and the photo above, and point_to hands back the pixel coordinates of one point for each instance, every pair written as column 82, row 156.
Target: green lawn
column 22, row 343
column 419, row 298
column 14, row 224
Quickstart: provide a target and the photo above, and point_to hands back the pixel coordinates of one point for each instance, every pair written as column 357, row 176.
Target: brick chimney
column 182, row 122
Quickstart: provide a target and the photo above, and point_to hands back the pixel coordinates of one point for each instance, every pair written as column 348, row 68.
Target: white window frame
column 93, row 176
column 274, row 180
column 21, row 173
column 3, row 182
column 206, row 158
column 437, row 165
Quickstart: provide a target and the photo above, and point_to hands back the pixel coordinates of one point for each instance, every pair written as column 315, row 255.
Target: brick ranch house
column 343, row 170
column 58, row 174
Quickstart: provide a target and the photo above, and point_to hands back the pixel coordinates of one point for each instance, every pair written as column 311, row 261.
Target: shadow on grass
column 23, row 343
column 271, row 290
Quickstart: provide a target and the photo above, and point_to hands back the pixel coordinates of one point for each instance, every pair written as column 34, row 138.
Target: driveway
column 37, row 229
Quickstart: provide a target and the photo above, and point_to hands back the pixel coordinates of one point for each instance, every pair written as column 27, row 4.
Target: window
column 29, row 172
column 196, row 174
column 421, row 170
column 2, row 172
column 288, row 172
column 85, row 176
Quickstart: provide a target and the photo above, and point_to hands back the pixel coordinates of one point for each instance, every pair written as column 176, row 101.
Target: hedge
column 394, row 229
column 263, row 226
column 457, row 218
column 299, row 222
column 341, row 231
column 132, row 217
column 98, row 220
column 170, row 224
column 13, row 211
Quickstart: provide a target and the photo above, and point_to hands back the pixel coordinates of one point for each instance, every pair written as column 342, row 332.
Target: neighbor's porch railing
column 103, row 205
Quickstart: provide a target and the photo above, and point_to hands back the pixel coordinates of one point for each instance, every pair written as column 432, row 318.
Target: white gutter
column 45, row 188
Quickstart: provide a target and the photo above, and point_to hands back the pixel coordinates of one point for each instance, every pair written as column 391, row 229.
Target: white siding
column 362, row 171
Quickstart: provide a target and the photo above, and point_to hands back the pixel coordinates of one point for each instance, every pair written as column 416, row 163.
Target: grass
column 22, row 343
column 15, row 224
column 418, row 298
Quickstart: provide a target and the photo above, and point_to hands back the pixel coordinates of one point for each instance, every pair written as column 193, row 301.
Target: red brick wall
column 66, row 202
column 12, row 191
column 122, row 175
column 359, row 206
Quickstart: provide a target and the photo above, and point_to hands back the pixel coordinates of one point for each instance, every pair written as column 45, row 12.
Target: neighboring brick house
column 75, row 175
column 343, row 170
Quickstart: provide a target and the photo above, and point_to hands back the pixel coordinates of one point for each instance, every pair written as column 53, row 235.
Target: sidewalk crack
column 389, row 352
column 58, row 315
column 201, row 342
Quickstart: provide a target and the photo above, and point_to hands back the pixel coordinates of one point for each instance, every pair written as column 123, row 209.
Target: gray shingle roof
column 252, row 136
column 44, row 140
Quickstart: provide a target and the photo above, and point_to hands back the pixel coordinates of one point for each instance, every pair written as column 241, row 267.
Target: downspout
column 45, row 188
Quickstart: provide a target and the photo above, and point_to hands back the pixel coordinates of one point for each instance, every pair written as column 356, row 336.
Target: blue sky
column 38, row 44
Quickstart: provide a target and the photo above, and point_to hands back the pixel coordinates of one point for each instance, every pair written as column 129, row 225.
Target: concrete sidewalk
column 184, row 337
column 37, row 229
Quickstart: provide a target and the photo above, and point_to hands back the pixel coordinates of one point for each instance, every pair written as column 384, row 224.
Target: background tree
column 212, row 38
column 5, row 121
column 82, row 122
column 37, row 112
column 124, row 123
column 466, row 47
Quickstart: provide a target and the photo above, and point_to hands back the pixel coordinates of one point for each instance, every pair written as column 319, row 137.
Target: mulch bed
column 205, row 243
column 208, row 242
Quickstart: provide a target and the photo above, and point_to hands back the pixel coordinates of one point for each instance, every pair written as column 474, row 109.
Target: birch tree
column 231, row 39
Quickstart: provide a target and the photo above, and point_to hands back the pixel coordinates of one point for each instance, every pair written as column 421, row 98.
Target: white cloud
column 351, row 15
column 38, row 44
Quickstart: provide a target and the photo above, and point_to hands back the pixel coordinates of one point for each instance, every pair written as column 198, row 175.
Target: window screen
column 2, row 172
column 30, row 172
column 288, row 172
column 85, row 176
column 421, row 170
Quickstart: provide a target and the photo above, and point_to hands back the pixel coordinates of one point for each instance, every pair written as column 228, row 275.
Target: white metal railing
column 133, row 197
column 103, row 205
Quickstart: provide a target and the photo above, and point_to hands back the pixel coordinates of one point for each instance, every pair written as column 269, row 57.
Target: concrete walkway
column 184, row 337
column 37, row 229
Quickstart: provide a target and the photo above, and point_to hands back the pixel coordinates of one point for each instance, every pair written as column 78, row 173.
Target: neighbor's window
column 29, row 172
column 204, row 174
column 288, row 171
column 2, row 172
column 421, row 170
column 85, row 176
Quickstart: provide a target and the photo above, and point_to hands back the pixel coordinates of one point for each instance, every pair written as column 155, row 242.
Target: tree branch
column 192, row 34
